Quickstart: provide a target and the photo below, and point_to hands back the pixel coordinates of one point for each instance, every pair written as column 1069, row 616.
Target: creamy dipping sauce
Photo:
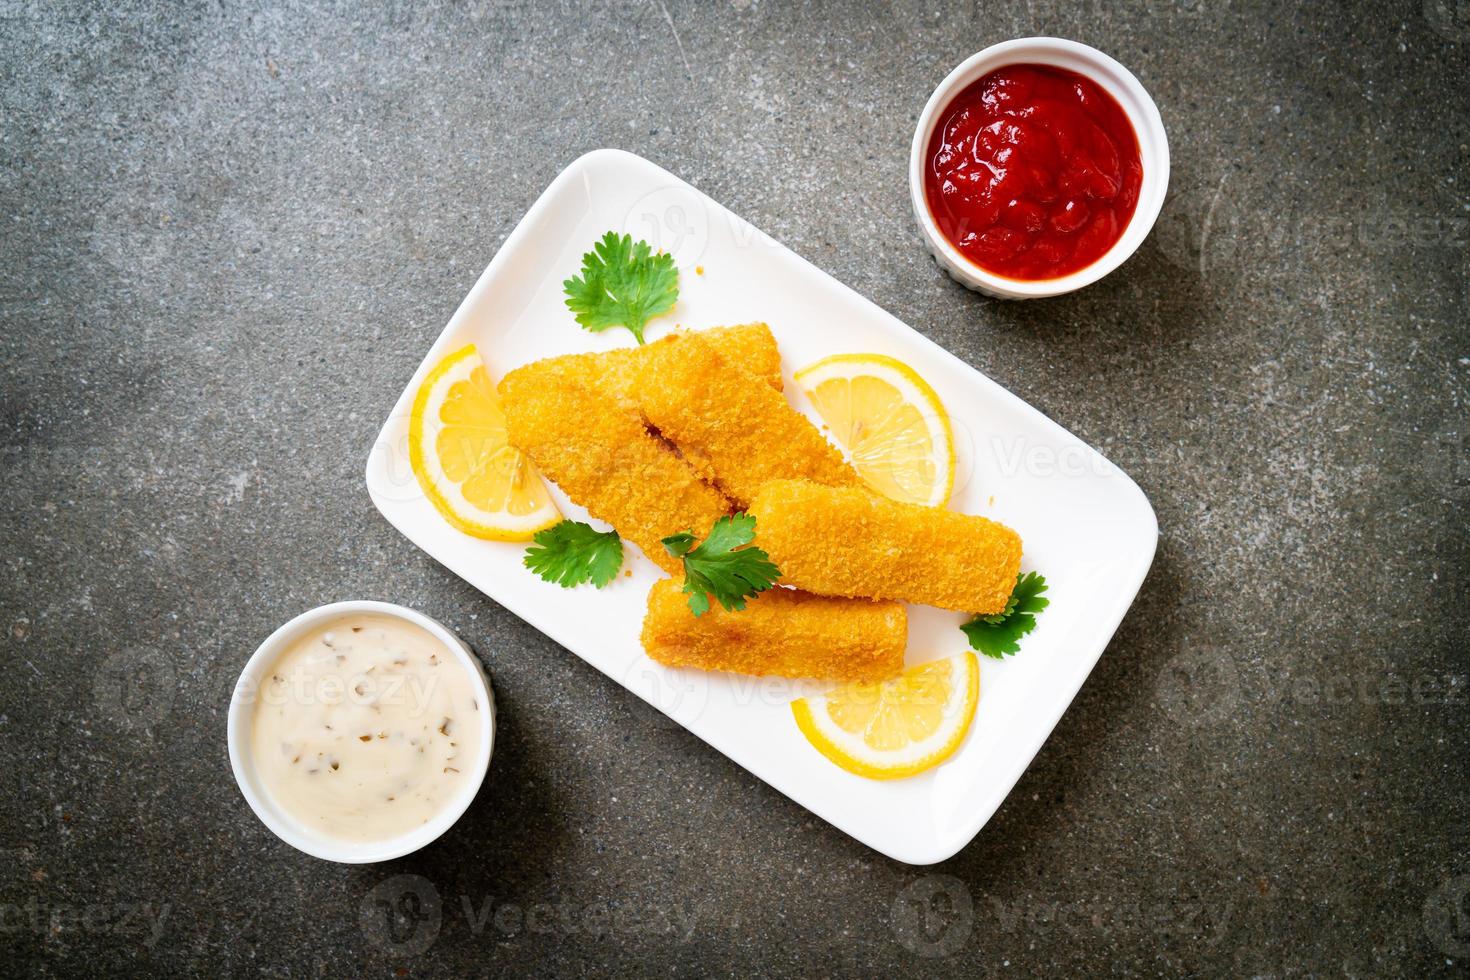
column 366, row 727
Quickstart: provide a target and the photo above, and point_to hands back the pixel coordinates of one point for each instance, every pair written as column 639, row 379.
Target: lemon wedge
column 457, row 449
column 898, row 727
column 889, row 420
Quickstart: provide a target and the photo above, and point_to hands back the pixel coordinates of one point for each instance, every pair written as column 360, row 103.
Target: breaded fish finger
column 733, row 429
column 748, row 344
column 850, row 542
column 780, row 631
column 565, row 415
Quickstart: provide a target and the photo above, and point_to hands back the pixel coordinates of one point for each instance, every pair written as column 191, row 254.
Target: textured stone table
column 231, row 233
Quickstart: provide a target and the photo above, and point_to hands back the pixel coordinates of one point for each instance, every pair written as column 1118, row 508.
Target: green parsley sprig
column 622, row 285
column 571, row 553
column 722, row 566
column 1000, row 633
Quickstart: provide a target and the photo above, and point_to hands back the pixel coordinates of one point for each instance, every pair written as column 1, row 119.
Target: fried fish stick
column 733, row 429
column 850, row 542
column 748, row 344
column 780, row 631
column 565, row 414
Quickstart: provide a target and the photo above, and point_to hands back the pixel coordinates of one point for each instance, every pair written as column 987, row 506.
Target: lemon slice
column 895, row 728
column 457, row 448
column 889, row 420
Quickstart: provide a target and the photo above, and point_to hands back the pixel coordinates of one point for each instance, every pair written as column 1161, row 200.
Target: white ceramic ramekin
column 290, row 830
column 1118, row 82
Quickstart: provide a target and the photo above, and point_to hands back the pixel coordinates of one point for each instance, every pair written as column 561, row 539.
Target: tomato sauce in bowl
column 1033, row 172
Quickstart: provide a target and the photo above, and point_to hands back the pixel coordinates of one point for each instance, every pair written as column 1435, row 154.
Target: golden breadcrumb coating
column 578, row 428
column 850, row 542
column 751, row 346
column 578, row 419
column 734, row 430
column 780, row 631
column 748, row 344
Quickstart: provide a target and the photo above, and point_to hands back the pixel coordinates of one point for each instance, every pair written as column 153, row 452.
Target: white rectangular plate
column 1084, row 524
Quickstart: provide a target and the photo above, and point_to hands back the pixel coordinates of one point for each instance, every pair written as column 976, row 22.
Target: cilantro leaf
column 722, row 566
column 1000, row 633
column 571, row 553
column 679, row 544
column 622, row 285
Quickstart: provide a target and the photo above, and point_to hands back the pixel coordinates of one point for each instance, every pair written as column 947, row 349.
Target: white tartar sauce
column 365, row 728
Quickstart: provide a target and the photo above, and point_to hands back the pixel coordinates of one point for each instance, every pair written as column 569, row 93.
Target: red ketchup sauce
column 1033, row 172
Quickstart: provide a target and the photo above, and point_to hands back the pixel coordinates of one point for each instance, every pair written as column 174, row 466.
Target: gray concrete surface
column 229, row 234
